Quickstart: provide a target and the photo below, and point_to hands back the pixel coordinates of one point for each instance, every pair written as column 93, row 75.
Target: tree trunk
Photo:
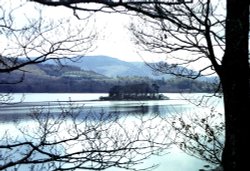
column 235, row 82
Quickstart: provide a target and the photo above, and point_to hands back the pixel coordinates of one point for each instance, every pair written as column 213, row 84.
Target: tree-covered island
column 137, row 91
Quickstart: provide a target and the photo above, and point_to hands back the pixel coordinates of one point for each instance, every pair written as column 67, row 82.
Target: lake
column 175, row 160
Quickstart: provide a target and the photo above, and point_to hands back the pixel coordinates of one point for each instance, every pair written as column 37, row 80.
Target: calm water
column 22, row 104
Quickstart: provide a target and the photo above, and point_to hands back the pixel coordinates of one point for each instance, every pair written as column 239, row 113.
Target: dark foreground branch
column 76, row 139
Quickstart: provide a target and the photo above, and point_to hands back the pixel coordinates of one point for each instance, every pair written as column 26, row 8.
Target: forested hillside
column 48, row 78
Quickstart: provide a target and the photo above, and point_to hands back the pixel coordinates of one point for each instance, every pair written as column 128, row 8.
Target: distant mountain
column 47, row 77
column 113, row 67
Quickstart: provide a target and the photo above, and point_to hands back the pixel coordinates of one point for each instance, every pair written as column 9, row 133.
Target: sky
column 114, row 37
column 116, row 40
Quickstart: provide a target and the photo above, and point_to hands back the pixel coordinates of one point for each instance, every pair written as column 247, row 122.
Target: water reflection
column 109, row 111
column 91, row 110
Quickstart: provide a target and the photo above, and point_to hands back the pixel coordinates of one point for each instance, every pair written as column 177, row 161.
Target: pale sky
column 114, row 37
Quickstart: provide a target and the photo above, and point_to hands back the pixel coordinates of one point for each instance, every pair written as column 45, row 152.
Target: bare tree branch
column 74, row 139
column 39, row 39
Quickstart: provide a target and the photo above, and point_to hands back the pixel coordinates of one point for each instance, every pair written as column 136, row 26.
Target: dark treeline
column 45, row 78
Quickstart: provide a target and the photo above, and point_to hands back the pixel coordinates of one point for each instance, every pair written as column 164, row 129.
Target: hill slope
column 113, row 67
column 90, row 74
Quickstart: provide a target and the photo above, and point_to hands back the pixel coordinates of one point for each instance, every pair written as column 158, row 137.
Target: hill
column 46, row 78
column 92, row 74
column 113, row 67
